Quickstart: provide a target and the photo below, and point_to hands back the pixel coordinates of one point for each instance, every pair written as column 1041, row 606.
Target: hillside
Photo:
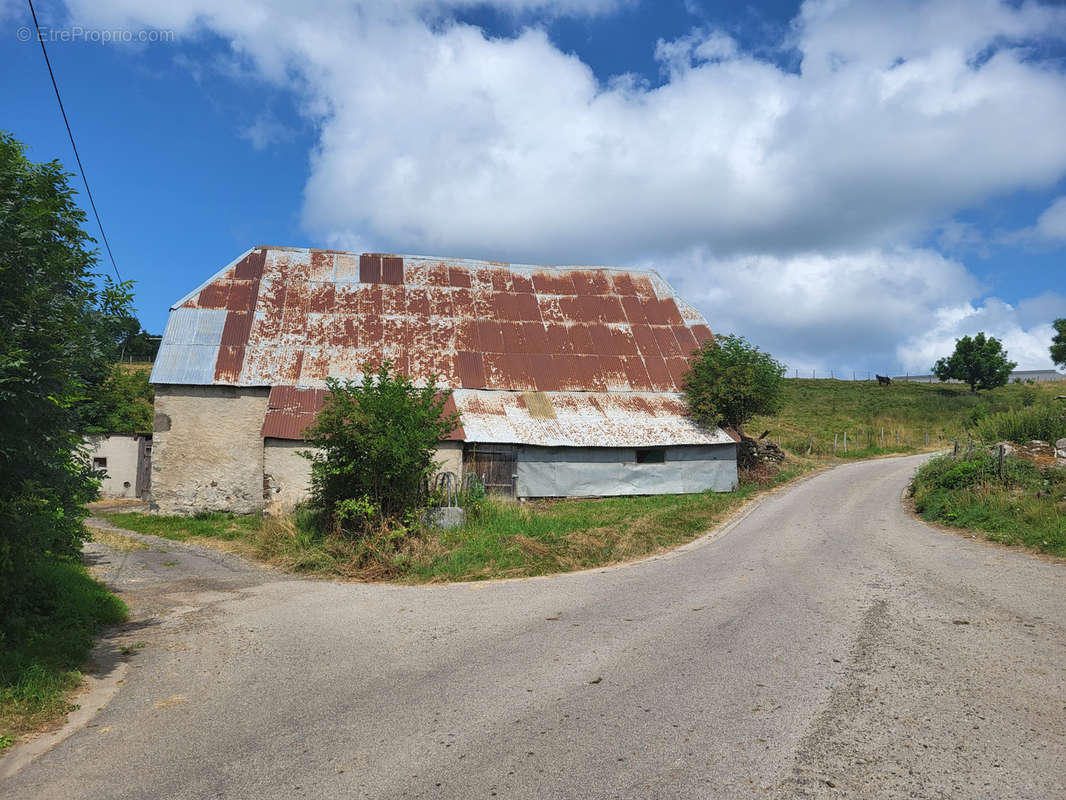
column 862, row 409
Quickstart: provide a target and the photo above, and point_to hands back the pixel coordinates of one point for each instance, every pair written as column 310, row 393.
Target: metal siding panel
column 584, row 472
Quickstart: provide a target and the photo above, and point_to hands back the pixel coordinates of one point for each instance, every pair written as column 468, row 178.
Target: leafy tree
column 731, row 381
column 122, row 403
column 375, row 442
column 1058, row 342
column 56, row 346
column 979, row 361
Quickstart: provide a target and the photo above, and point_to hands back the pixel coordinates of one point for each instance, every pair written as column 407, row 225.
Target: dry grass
column 117, row 541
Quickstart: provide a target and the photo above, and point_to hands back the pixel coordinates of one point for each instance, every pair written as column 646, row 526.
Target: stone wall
column 449, row 457
column 120, row 452
column 286, row 474
column 209, row 454
column 207, row 449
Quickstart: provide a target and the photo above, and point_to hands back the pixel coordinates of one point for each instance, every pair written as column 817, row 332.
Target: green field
column 912, row 417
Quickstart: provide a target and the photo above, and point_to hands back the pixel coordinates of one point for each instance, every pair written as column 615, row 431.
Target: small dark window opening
column 99, row 463
column 651, row 455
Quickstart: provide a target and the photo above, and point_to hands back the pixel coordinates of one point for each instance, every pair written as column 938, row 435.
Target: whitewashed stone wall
column 208, row 449
column 121, row 454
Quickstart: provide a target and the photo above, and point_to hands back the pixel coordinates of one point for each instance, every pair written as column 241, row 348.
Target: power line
column 77, row 157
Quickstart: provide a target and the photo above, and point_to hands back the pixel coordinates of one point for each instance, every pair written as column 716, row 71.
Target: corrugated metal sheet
column 290, row 409
column 297, row 316
column 189, row 351
column 607, row 348
column 583, row 419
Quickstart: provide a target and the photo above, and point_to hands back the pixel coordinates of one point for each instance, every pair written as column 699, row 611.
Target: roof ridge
column 454, row 260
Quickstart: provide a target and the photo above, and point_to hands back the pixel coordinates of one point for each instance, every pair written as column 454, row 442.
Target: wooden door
column 496, row 466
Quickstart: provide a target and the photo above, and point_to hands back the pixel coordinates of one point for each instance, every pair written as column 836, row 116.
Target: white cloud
column 1027, row 346
column 887, row 311
column 786, row 201
column 1051, row 225
column 435, row 137
column 267, row 130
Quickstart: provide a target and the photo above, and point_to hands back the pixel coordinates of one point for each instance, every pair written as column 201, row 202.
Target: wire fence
column 871, row 440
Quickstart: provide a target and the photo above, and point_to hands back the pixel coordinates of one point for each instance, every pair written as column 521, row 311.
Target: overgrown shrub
column 57, row 344
column 1046, row 422
column 1026, row 505
column 374, row 444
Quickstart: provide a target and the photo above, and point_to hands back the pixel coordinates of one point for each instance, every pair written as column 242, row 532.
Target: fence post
column 845, row 441
column 810, row 447
column 882, row 436
column 1002, row 452
column 956, row 453
column 835, row 437
column 927, row 438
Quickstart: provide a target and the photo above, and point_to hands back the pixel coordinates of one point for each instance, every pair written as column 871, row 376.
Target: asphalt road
column 827, row 645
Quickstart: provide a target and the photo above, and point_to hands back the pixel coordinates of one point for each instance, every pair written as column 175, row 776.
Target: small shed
column 567, row 380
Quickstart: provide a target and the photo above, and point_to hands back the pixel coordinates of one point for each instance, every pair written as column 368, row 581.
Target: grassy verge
column 908, row 414
column 1025, row 506
column 500, row 540
column 42, row 649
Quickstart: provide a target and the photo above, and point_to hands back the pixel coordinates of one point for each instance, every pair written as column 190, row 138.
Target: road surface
column 827, row 645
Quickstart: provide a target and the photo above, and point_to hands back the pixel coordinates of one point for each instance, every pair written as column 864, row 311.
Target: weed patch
column 500, row 538
column 1026, row 505
column 43, row 648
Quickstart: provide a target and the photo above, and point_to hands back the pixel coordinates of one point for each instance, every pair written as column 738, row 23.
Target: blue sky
column 849, row 184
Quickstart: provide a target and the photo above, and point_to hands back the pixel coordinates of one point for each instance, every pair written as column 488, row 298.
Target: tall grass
column 1046, row 421
column 1025, row 505
column 44, row 647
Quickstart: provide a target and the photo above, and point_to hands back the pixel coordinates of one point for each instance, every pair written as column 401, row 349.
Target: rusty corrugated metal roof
column 290, row 409
column 294, row 317
column 581, row 419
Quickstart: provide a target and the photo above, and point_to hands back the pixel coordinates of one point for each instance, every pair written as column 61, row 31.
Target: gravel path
column 827, row 646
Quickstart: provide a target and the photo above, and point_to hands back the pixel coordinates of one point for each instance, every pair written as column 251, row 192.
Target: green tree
column 1058, row 342
column 375, row 442
column 979, row 361
column 122, row 403
column 56, row 347
column 731, row 381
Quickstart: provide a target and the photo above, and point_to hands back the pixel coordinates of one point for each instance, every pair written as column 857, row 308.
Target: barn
column 567, row 380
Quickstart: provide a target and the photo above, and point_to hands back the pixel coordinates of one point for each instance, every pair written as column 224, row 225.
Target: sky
column 850, row 184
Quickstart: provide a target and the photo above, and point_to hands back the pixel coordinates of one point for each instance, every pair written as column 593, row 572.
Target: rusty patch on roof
column 299, row 316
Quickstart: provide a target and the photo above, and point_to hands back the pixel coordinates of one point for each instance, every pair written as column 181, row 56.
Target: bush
column 731, row 381
column 1046, row 422
column 1024, row 506
column 375, row 441
column 57, row 345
